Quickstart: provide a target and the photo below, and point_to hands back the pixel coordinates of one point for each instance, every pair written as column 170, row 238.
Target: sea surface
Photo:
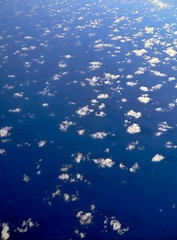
column 88, row 119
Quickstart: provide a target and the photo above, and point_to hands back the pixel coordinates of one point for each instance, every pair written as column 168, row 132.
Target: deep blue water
column 56, row 59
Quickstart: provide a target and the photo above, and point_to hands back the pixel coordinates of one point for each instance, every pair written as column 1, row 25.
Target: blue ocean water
column 88, row 119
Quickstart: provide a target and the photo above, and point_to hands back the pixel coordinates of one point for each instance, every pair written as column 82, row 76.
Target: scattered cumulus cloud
column 134, row 128
column 157, row 158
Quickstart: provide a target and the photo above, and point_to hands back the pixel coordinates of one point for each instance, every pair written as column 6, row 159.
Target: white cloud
column 134, row 167
column 102, row 96
column 101, row 106
column 18, row 95
column 95, row 65
column 117, row 226
column 63, row 176
column 170, row 145
column 134, row 128
column 67, row 56
column 144, row 98
column 159, row 4
column 100, row 114
column 140, row 52
column 157, row 87
column 4, row 132
column 93, row 81
column 132, row 84
column 144, row 89
column 84, row 218
column 116, row 38
column 157, row 158
column 132, row 146
column 2, row 151
column 109, row 76
column 26, row 178
column 149, row 30
column 65, row 124
column 162, row 127
column 159, row 74
column 42, row 143
column 81, row 132
column 102, row 45
column 79, row 157
column 45, row 104
column 153, row 61
column 16, row 110
column 171, row 52
column 84, row 111
column 134, row 114
column 66, row 197
column 5, row 231
column 99, row 135
column 104, row 162
column 119, row 19
column 26, row 225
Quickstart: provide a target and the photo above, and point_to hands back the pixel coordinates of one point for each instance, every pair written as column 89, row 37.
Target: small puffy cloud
column 117, row 226
column 62, row 64
column 102, row 162
column 93, row 81
column 102, row 96
column 100, row 114
column 56, row 77
column 84, row 111
column 79, row 157
column 81, row 132
column 116, row 38
column 163, row 127
column 16, row 95
column 26, row 225
column 101, row 106
column 16, row 110
column 84, row 218
column 141, row 70
column 132, row 113
column 159, row 74
column 119, row 19
column 144, row 89
column 4, row 132
column 65, row 124
column 144, row 98
column 26, row 178
column 64, row 177
column 67, row 56
column 131, row 84
column 171, row 52
column 134, row 167
column 42, row 143
column 149, row 30
column 156, row 87
column 98, row 135
column 102, row 45
column 157, row 158
column 134, row 128
column 5, row 231
column 132, row 146
column 140, row 52
column 66, row 197
column 153, row 61
column 109, row 76
column 95, row 65
column 171, row 79
column 2, row 151
column 45, row 104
